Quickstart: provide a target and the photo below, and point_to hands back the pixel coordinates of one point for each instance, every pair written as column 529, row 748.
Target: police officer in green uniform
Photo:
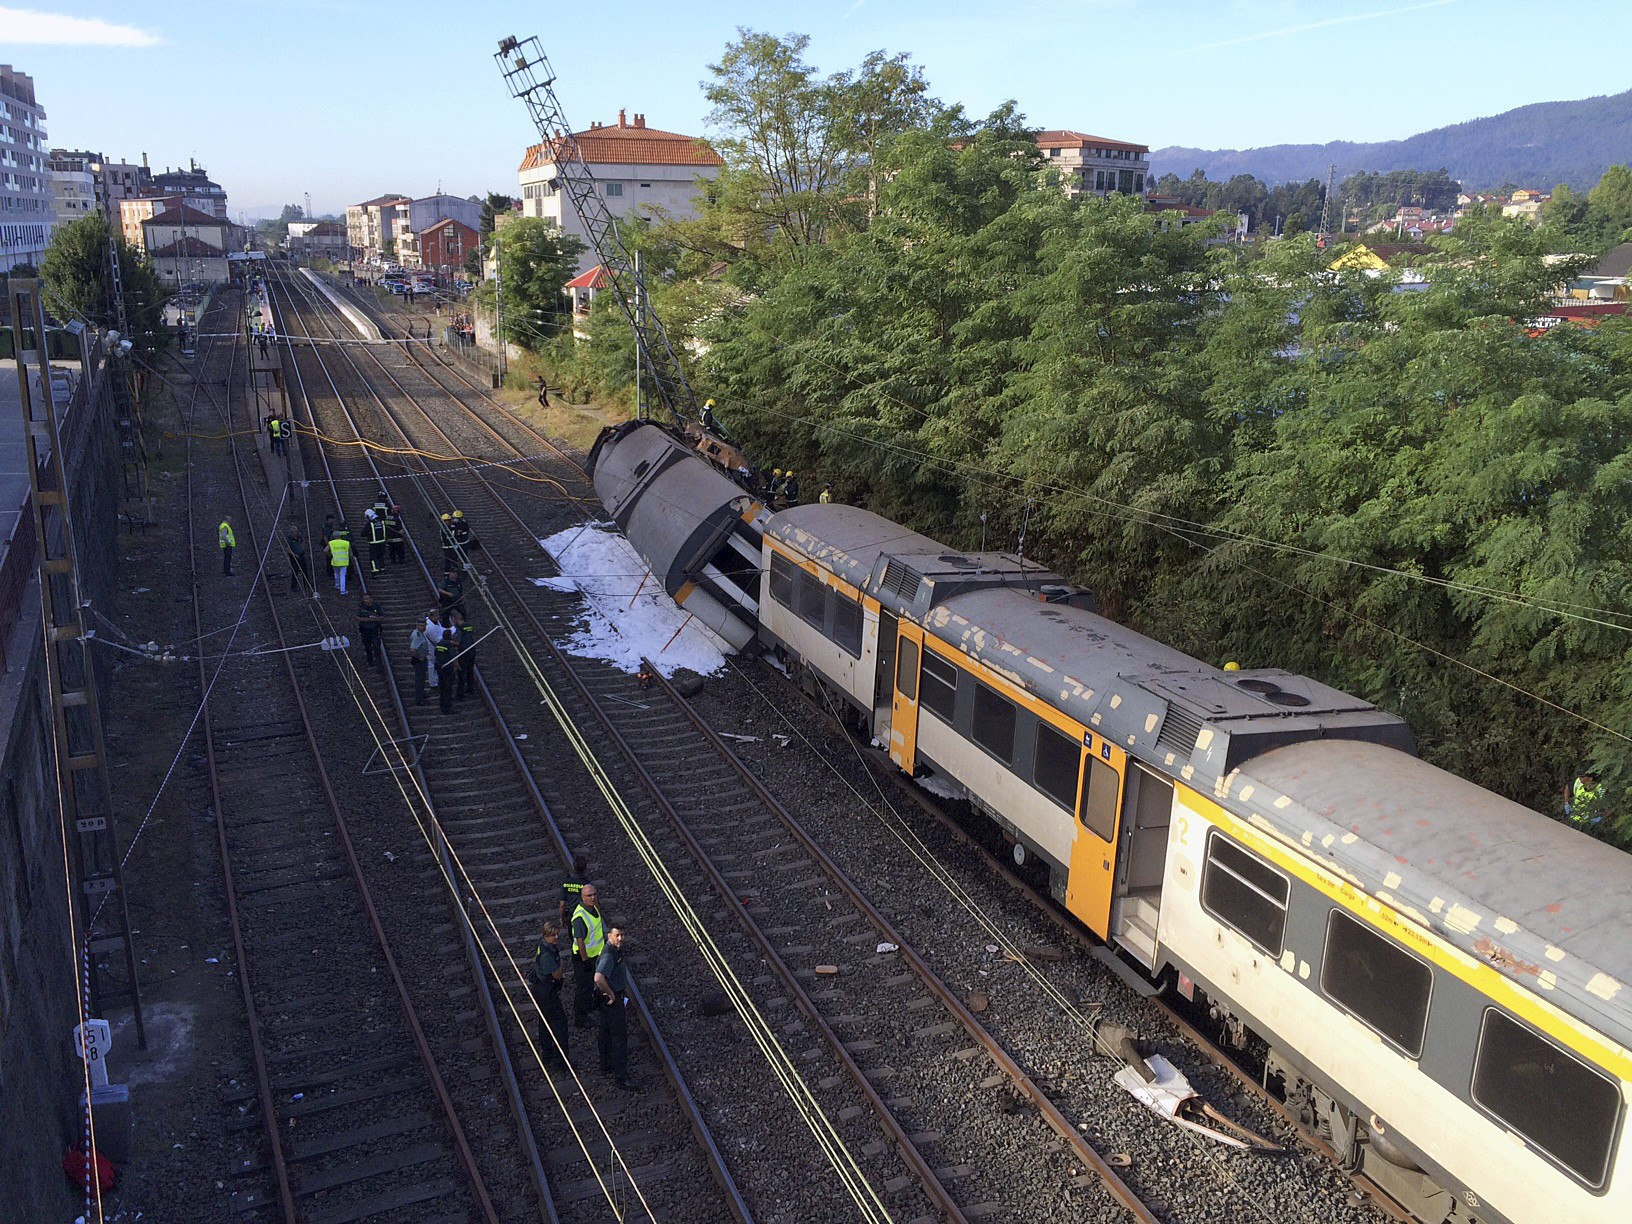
column 446, row 647
column 572, row 887
column 588, row 942
column 547, row 977
column 467, row 655
column 612, row 983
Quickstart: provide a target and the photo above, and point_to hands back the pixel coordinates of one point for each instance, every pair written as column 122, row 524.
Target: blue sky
column 348, row 99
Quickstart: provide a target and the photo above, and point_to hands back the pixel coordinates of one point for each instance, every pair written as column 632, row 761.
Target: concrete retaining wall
column 40, row 1079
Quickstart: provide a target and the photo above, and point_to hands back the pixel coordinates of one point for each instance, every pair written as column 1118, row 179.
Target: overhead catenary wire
column 782, row 1064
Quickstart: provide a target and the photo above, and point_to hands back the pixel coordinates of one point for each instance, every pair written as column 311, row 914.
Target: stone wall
column 40, row 1079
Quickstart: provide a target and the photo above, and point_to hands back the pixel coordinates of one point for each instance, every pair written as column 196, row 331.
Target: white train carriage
column 1437, row 973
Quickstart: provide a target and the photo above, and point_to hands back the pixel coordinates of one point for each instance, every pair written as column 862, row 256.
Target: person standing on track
column 572, row 888
column 376, row 540
column 467, row 654
column 395, row 535
column 461, row 536
column 339, row 548
column 447, row 646
column 450, row 549
column 451, row 594
column 612, row 981
column 370, row 620
column 419, row 650
column 300, row 565
column 228, row 542
column 588, row 942
column 547, row 979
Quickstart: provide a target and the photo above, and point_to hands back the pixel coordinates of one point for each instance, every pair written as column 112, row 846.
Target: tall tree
column 535, row 261
column 78, row 285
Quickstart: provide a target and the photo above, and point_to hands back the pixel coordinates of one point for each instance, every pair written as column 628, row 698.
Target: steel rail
column 257, row 1048
column 671, row 1068
column 462, row 1147
column 490, row 1014
column 933, row 1185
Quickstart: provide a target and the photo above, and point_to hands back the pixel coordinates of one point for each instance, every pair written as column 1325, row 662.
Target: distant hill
column 1533, row 146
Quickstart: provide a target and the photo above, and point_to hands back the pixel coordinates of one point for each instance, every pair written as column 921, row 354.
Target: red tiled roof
column 183, row 214
column 436, row 225
column 627, row 144
column 188, row 246
column 596, row 278
column 1064, row 139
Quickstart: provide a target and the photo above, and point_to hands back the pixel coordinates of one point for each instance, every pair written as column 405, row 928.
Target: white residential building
column 370, row 225
column 26, row 212
column 636, row 168
column 1095, row 165
column 73, row 190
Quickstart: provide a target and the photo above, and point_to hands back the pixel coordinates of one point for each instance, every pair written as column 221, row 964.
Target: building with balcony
column 115, row 181
column 1095, row 165
column 370, row 225
column 27, row 214
column 636, row 169
column 73, row 189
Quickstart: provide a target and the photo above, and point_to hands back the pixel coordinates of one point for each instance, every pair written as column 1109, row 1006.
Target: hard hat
column 458, row 514
column 708, row 403
column 790, row 471
column 1232, row 665
column 776, row 471
column 447, row 518
column 368, row 514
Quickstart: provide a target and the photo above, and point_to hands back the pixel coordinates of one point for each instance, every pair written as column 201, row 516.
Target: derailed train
column 1438, row 975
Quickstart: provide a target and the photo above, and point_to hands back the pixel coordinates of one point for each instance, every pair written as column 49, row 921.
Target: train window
column 812, row 596
column 1245, row 893
column 1377, row 981
column 1055, row 765
column 783, row 576
column 940, row 685
column 847, row 624
column 1565, row 1107
column 906, row 669
column 994, row 723
column 1099, row 804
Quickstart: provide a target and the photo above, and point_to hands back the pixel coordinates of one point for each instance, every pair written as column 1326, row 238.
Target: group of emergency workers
column 779, row 489
column 600, row 983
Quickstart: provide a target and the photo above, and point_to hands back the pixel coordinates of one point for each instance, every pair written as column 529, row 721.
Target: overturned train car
column 698, row 531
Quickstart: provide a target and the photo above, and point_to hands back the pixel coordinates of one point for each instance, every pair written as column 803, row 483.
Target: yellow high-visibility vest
column 594, row 931
column 228, row 540
column 339, row 552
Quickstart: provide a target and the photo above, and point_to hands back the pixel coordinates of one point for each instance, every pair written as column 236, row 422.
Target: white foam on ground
column 620, row 626
column 937, row 785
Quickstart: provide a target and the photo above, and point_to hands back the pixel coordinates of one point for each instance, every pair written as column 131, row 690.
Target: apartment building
column 370, row 225
column 194, row 186
column 27, row 215
column 73, row 190
column 114, row 181
column 1095, row 165
column 636, row 168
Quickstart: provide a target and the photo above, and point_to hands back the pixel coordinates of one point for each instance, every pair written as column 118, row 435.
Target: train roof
column 1545, row 904
column 1175, row 712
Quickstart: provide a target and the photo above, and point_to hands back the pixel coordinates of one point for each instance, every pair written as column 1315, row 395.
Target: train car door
column 1093, row 853
column 903, row 739
column 884, row 675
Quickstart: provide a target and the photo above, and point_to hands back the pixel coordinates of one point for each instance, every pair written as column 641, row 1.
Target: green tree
column 77, row 282
column 535, row 261
column 1612, row 199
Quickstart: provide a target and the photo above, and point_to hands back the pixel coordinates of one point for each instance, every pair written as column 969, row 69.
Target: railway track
column 1273, row 1197
column 612, row 1155
column 981, row 1138
column 358, row 1120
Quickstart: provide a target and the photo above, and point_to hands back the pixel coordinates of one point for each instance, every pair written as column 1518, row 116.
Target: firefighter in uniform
column 450, row 550
column 588, row 942
column 376, row 540
column 395, row 536
column 461, row 535
column 612, row 983
column 547, row 978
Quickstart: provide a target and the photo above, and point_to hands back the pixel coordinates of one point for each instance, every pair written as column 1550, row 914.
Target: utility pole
column 640, row 330
column 1326, row 203
column 498, row 300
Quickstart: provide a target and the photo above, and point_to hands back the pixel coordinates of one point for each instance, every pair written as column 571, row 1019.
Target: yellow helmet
column 776, row 471
column 447, row 518
column 1232, row 665
column 790, row 471
column 458, row 514
column 708, row 403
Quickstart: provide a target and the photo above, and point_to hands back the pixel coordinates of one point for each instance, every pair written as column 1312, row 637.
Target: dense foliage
column 535, row 261
column 1393, row 485
column 78, row 284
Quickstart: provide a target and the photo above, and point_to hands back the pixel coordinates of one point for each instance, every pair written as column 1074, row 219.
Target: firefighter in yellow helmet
column 450, row 549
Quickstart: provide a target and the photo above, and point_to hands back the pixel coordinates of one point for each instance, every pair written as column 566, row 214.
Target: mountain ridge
column 1538, row 145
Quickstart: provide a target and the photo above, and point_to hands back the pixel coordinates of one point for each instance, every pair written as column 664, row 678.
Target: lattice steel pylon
column 528, row 74
column 76, row 717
